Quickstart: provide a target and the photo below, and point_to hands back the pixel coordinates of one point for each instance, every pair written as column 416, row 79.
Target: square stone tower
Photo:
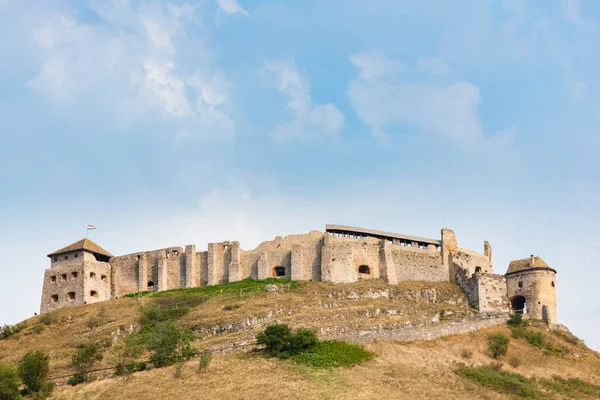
column 79, row 274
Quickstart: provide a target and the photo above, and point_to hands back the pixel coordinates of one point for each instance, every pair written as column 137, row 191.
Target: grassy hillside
column 223, row 317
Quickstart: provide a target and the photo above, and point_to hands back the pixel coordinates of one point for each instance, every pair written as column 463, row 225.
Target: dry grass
column 417, row 370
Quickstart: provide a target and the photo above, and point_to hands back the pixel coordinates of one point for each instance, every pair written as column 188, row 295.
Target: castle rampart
column 341, row 254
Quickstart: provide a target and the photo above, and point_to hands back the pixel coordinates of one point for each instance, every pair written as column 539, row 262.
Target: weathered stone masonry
column 84, row 272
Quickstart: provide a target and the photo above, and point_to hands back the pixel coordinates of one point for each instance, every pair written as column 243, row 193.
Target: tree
column 124, row 353
column 279, row 341
column 9, row 383
column 83, row 361
column 498, row 345
column 169, row 344
column 33, row 371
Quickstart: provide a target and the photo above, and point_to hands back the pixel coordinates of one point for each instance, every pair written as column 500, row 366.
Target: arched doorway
column 364, row 269
column 278, row 271
column 518, row 304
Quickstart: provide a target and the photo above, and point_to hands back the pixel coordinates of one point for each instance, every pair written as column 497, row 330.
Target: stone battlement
column 84, row 272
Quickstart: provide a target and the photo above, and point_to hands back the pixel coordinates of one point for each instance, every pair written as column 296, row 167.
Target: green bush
column 572, row 388
column 83, row 361
column 331, row 354
column 33, row 371
column 39, row 328
column 204, row 361
column 152, row 316
column 556, row 351
column 500, row 381
column 498, row 345
column 533, row 338
column 279, row 341
column 515, row 319
column 6, row 331
column 168, row 344
column 9, row 383
column 47, row 319
column 124, row 352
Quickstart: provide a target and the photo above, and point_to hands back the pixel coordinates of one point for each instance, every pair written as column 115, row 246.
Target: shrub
column 47, row 319
column 204, row 361
column 572, row 388
column 33, row 370
column 152, row 316
column 515, row 319
column 83, row 361
column 39, row 328
column 498, row 345
column 331, row 354
column 556, row 351
column 279, row 341
column 93, row 321
column 514, row 362
column 500, row 381
column 124, row 352
column 169, row 344
column 466, row 354
column 6, row 331
column 533, row 338
column 9, row 383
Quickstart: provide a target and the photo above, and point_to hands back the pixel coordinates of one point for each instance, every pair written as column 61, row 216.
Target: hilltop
column 392, row 321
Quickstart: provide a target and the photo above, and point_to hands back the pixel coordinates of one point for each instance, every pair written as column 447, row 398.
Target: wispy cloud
column 309, row 118
column 382, row 98
column 232, row 7
column 132, row 64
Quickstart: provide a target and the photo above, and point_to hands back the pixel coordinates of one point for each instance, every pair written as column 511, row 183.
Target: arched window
column 278, row 271
column 150, row 284
column 364, row 269
column 477, row 269
column 94, row 294
column 518, row 304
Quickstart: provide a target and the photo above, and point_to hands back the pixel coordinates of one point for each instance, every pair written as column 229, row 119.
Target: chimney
column 531, row 260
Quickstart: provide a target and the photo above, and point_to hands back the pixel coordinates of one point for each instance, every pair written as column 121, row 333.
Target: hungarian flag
column 90, row 227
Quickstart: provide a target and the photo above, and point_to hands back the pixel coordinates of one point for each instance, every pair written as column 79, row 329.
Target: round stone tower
column 531, row 287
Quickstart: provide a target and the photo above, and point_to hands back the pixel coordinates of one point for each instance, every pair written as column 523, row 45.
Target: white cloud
column 310, row 119
column 381, row 99
column 132, row 66
column 231, row 7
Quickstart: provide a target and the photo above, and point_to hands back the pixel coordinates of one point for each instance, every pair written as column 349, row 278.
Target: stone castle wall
column 538, row 287
column 332, row 256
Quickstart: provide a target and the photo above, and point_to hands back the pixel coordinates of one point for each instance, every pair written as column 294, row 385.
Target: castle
column 84, row 272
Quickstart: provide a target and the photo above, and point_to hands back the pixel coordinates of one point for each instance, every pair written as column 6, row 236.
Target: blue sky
column 170, row 123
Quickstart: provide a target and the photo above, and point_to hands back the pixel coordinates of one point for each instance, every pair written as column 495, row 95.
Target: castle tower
column 78, row 274
column 531, row 288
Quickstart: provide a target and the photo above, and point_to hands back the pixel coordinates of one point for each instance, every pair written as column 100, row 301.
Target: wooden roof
column 372, row 232
column 526, row 263
column 83, row 244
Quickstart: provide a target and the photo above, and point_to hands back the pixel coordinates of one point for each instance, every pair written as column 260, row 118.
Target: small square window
column 54, row 298
column 53, row 278
column 73, row 275
column 63, row 277
column 520, row 284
